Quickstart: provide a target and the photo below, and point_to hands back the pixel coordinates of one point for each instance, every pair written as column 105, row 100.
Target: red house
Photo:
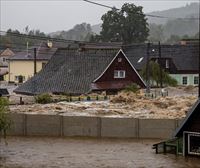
column 117, row 75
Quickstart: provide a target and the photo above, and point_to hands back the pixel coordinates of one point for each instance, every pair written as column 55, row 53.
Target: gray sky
column 50, row 16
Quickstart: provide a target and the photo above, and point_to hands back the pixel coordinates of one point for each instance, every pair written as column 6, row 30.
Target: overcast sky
column 50, row 16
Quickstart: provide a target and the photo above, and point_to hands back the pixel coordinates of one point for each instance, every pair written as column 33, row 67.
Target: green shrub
column 132, row 88
column 43, row 98
column 5, row 121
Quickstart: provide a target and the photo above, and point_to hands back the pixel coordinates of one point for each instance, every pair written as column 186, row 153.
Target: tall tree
column 127, row 25
column 156, row 33
column 154, row 69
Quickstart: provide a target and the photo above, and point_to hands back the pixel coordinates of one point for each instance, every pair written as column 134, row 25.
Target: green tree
column 154, row 69
column 4, row 118
column 80, row 32
column 127, row 25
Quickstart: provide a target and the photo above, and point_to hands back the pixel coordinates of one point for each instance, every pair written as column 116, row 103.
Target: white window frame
column 194, row 80
column 189, row 135
column 182, row 80
column 117, row 74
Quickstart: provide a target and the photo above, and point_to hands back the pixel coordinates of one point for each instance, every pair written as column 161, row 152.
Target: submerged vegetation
column 5, row 121
column 43, row 98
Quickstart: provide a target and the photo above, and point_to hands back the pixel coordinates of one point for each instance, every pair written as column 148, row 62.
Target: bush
column 5, row 121
column 43, row 98
column 132, row 88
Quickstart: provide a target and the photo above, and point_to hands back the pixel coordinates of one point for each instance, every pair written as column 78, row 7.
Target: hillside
column 166, row 27
column 190, row 10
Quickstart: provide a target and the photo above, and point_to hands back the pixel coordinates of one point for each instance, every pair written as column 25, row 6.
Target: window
column 196, row 80
column 119, row 59
column 4, row 59
column 194, row 144
column 167, row 63
column 20, row 78
column 119, row 74
column 184, row 80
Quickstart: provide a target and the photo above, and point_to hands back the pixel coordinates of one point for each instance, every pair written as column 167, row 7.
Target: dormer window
column 119, row 74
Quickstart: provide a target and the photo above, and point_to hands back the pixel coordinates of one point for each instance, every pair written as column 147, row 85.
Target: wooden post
column 161, row 76
column 35, row 68
column 147, row 70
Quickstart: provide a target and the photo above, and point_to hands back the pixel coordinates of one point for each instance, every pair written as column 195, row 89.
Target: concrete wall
column 68, row 126
column 81, row 126
column 119, row 127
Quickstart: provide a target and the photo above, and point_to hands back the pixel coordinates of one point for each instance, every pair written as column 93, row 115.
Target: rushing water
column 87, row 153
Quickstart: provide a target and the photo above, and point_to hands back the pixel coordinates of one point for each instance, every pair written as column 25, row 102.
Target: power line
column 37, row 37
column 149, row 15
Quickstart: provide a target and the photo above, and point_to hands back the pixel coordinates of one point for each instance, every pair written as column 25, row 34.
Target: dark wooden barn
column 117, row 75
column 189, row 132
column 186, row 139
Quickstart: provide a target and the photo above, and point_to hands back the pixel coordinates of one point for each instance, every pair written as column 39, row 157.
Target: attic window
column 119, row 59
column 119, row 74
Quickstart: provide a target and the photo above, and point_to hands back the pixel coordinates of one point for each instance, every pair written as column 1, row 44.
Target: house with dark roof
column 21, row 64
column 186, row 140
column 180, row 61
column 4, row 56
column 75, row 71
column 189, row 131
column 91, row 67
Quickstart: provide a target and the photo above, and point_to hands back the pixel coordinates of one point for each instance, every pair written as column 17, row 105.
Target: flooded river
column 37, row 152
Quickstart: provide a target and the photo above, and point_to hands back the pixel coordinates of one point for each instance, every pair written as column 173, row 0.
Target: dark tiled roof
column 108, row 45
column 185, row 57
column 191, row 115
column 69, row 71
column 3, row 92
column 43, row 52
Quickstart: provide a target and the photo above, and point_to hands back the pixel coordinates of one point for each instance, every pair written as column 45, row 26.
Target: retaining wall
column 68, row 126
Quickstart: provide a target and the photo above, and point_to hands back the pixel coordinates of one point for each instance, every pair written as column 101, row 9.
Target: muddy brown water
column 38, row 152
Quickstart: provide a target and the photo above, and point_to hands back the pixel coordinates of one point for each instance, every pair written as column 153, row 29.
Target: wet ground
column 40, row 152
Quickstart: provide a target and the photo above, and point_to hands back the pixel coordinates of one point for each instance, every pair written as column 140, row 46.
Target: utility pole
column 147, row 70
column 160, row 64
column 35, row 68
column 199, row 77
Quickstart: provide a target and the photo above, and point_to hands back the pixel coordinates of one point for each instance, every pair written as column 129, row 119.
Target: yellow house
column 22, row 65
column 4, row 56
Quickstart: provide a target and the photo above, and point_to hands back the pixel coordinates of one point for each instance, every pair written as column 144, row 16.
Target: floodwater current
column 38, row 152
